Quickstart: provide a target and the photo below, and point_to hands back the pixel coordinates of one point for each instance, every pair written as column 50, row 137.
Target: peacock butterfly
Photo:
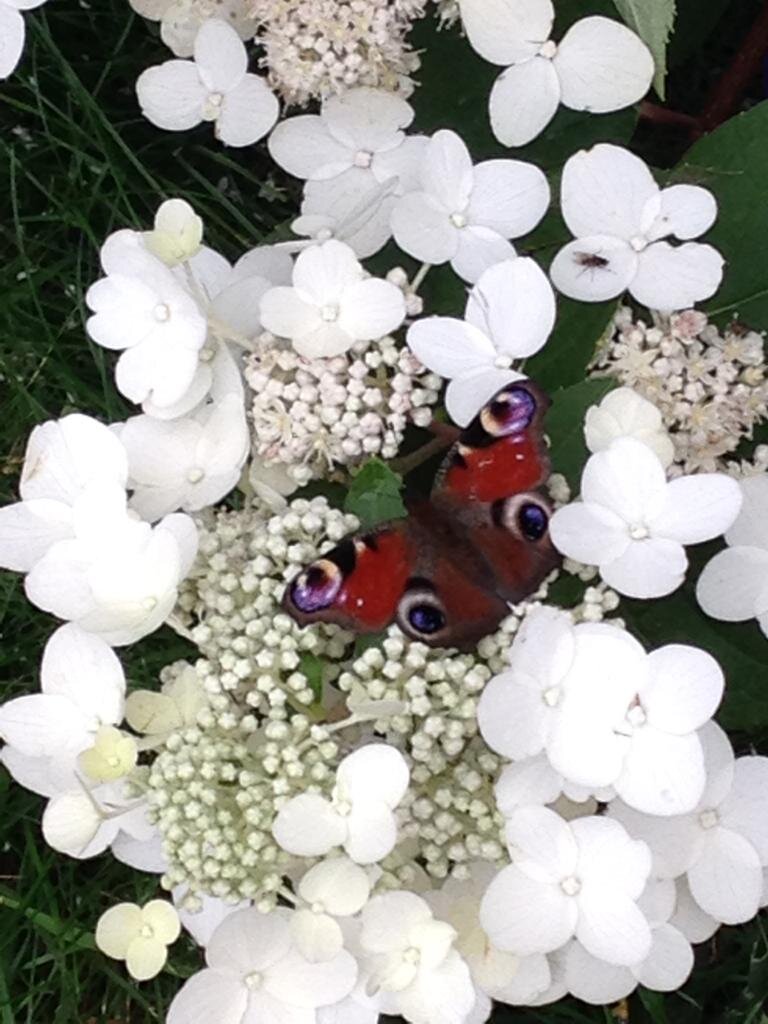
column 447, row 573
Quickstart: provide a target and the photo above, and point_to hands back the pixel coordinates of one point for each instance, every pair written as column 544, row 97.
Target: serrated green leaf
column 565, row 426
column 375, row 494
column 653, row 21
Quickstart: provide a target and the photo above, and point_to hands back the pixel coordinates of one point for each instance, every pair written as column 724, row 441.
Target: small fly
column 590, row 260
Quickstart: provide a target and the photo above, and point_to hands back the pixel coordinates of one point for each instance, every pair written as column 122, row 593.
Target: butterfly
column 447, row 573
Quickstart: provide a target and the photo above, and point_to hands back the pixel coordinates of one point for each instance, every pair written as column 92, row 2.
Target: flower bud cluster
column 314, row 414
column 711, row 387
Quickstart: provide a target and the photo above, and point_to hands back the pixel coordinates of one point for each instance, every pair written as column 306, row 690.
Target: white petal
column 523, row 916
column 675, row 278
column 43, row 725
column 72, row 825
column 367, row 119
column 297, row 982
column 745, row 809
column 353, row 206
column 611, row 926
column 674, row 842
column 509, row 196
column 371, row 832
column 604, row 191
column 157, row 373
column 387, row 916
column 317, row 937
column 171, row 95
column 446, row 171
column 209, row 995
column 141, row 854
column 220, row 56
column 325, row 341
column 370, row 309
column 267, row 261
column 308, row 826
column 466, row 395
column 648, row 568
column 531, row 781
column 304, row 147
column 423, row 229
column 751, row 528
column 29, row 528
column 323, row 272
column 662, row 774
column 625, row 413
column 602, row 66
column 594, row 268
column 697, row 508
column 732, row 586
column 248, row 940
column 628, row 479
column 523, row 101
column 478, row 249
column 726, row 880
column 689, row 918
column 11, row 40
column 86, row 670
column 248, row 112
column 286, row 314
column 657, row 901
column 202, row 923
column 506, row 31
column 512, row 715
column 685, row 211
column 145, row 958
column 544, row 646
column 403, row 163
column 670, row 962
column 339, row 884
column 541, row 844
column 184, row 531
column 514, row 305
column 445, row 991
column 719, row 763
column 588, row 532
column 45, row 776
column 593, row 980
column 684, row 688
column 375, row 772
column 448, row 346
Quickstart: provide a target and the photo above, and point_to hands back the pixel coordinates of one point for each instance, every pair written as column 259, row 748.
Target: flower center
column 162, row 312
column 502, row 362
column 638, row 243
column 342, row 807
column 639, row 531
column 317, row 907
column 548, row 49
column 147, row 931
column 412, row 955
column 636, row 716
column 212, row 106
column 551, row 696
column 363, row 158
column 195, row 475
column 330, row 313
column 571, row 886
column 458, row 220
column 149, row 603
column 254, row 980
column 708, row 819
column 324, row 234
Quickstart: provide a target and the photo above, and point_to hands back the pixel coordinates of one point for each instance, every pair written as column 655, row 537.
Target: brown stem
column 660, row 115
column 734, row 81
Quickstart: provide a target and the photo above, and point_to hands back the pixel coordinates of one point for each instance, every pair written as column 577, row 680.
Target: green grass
column 78, row 161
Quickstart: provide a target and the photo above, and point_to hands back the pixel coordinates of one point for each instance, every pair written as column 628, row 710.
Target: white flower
column 176, row 706
column 180, row 20
column 215, row 86
column 689, row 918
column 83, row 823
column 177, row 234
column 734, row 584
column 12, row 32
column 723, row 844
column 254, row 974
column 600, row 65
column 332, row 304
column 140, row 307
column 581, row 878
column 370, row 783
column 465, row 214
column 632, row 524
column 665, row 969
column 351, row 208
column 361, row 128
column 625, row 413
column 336, row 887
column 139, row 935
column 186, row 463
column 509, row 315
column 116, row 577
column 502, row 976
column 63, row 459
column 534, row 781
column 619, row 216
column 412, row 962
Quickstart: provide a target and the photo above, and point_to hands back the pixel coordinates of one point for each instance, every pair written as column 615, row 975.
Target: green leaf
column 565, row 426
column 374, row 495
column 312, row 667
column 579, row 329
column 733, row 163
column 653, row 21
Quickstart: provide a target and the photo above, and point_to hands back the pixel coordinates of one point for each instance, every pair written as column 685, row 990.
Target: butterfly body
column 447, row 573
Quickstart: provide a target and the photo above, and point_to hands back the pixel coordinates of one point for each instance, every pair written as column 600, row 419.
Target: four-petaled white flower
column 722, row 845
column 177, row 234
column 215, row 86
column 734, row 584
column 351, row 208
column 600, row 65
column 466, row 214
column 625, row 413
column 509, row 315
column 581, row 878
column 255, row 974
column 361, row 129
column 633, row 525
column 332, row 304
column 176, row 706
column 412, row 962
column 619, row 217
column 13, row 32
column 180, row 20
column 370, row 783
column 139, row 935
column 336, row 887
